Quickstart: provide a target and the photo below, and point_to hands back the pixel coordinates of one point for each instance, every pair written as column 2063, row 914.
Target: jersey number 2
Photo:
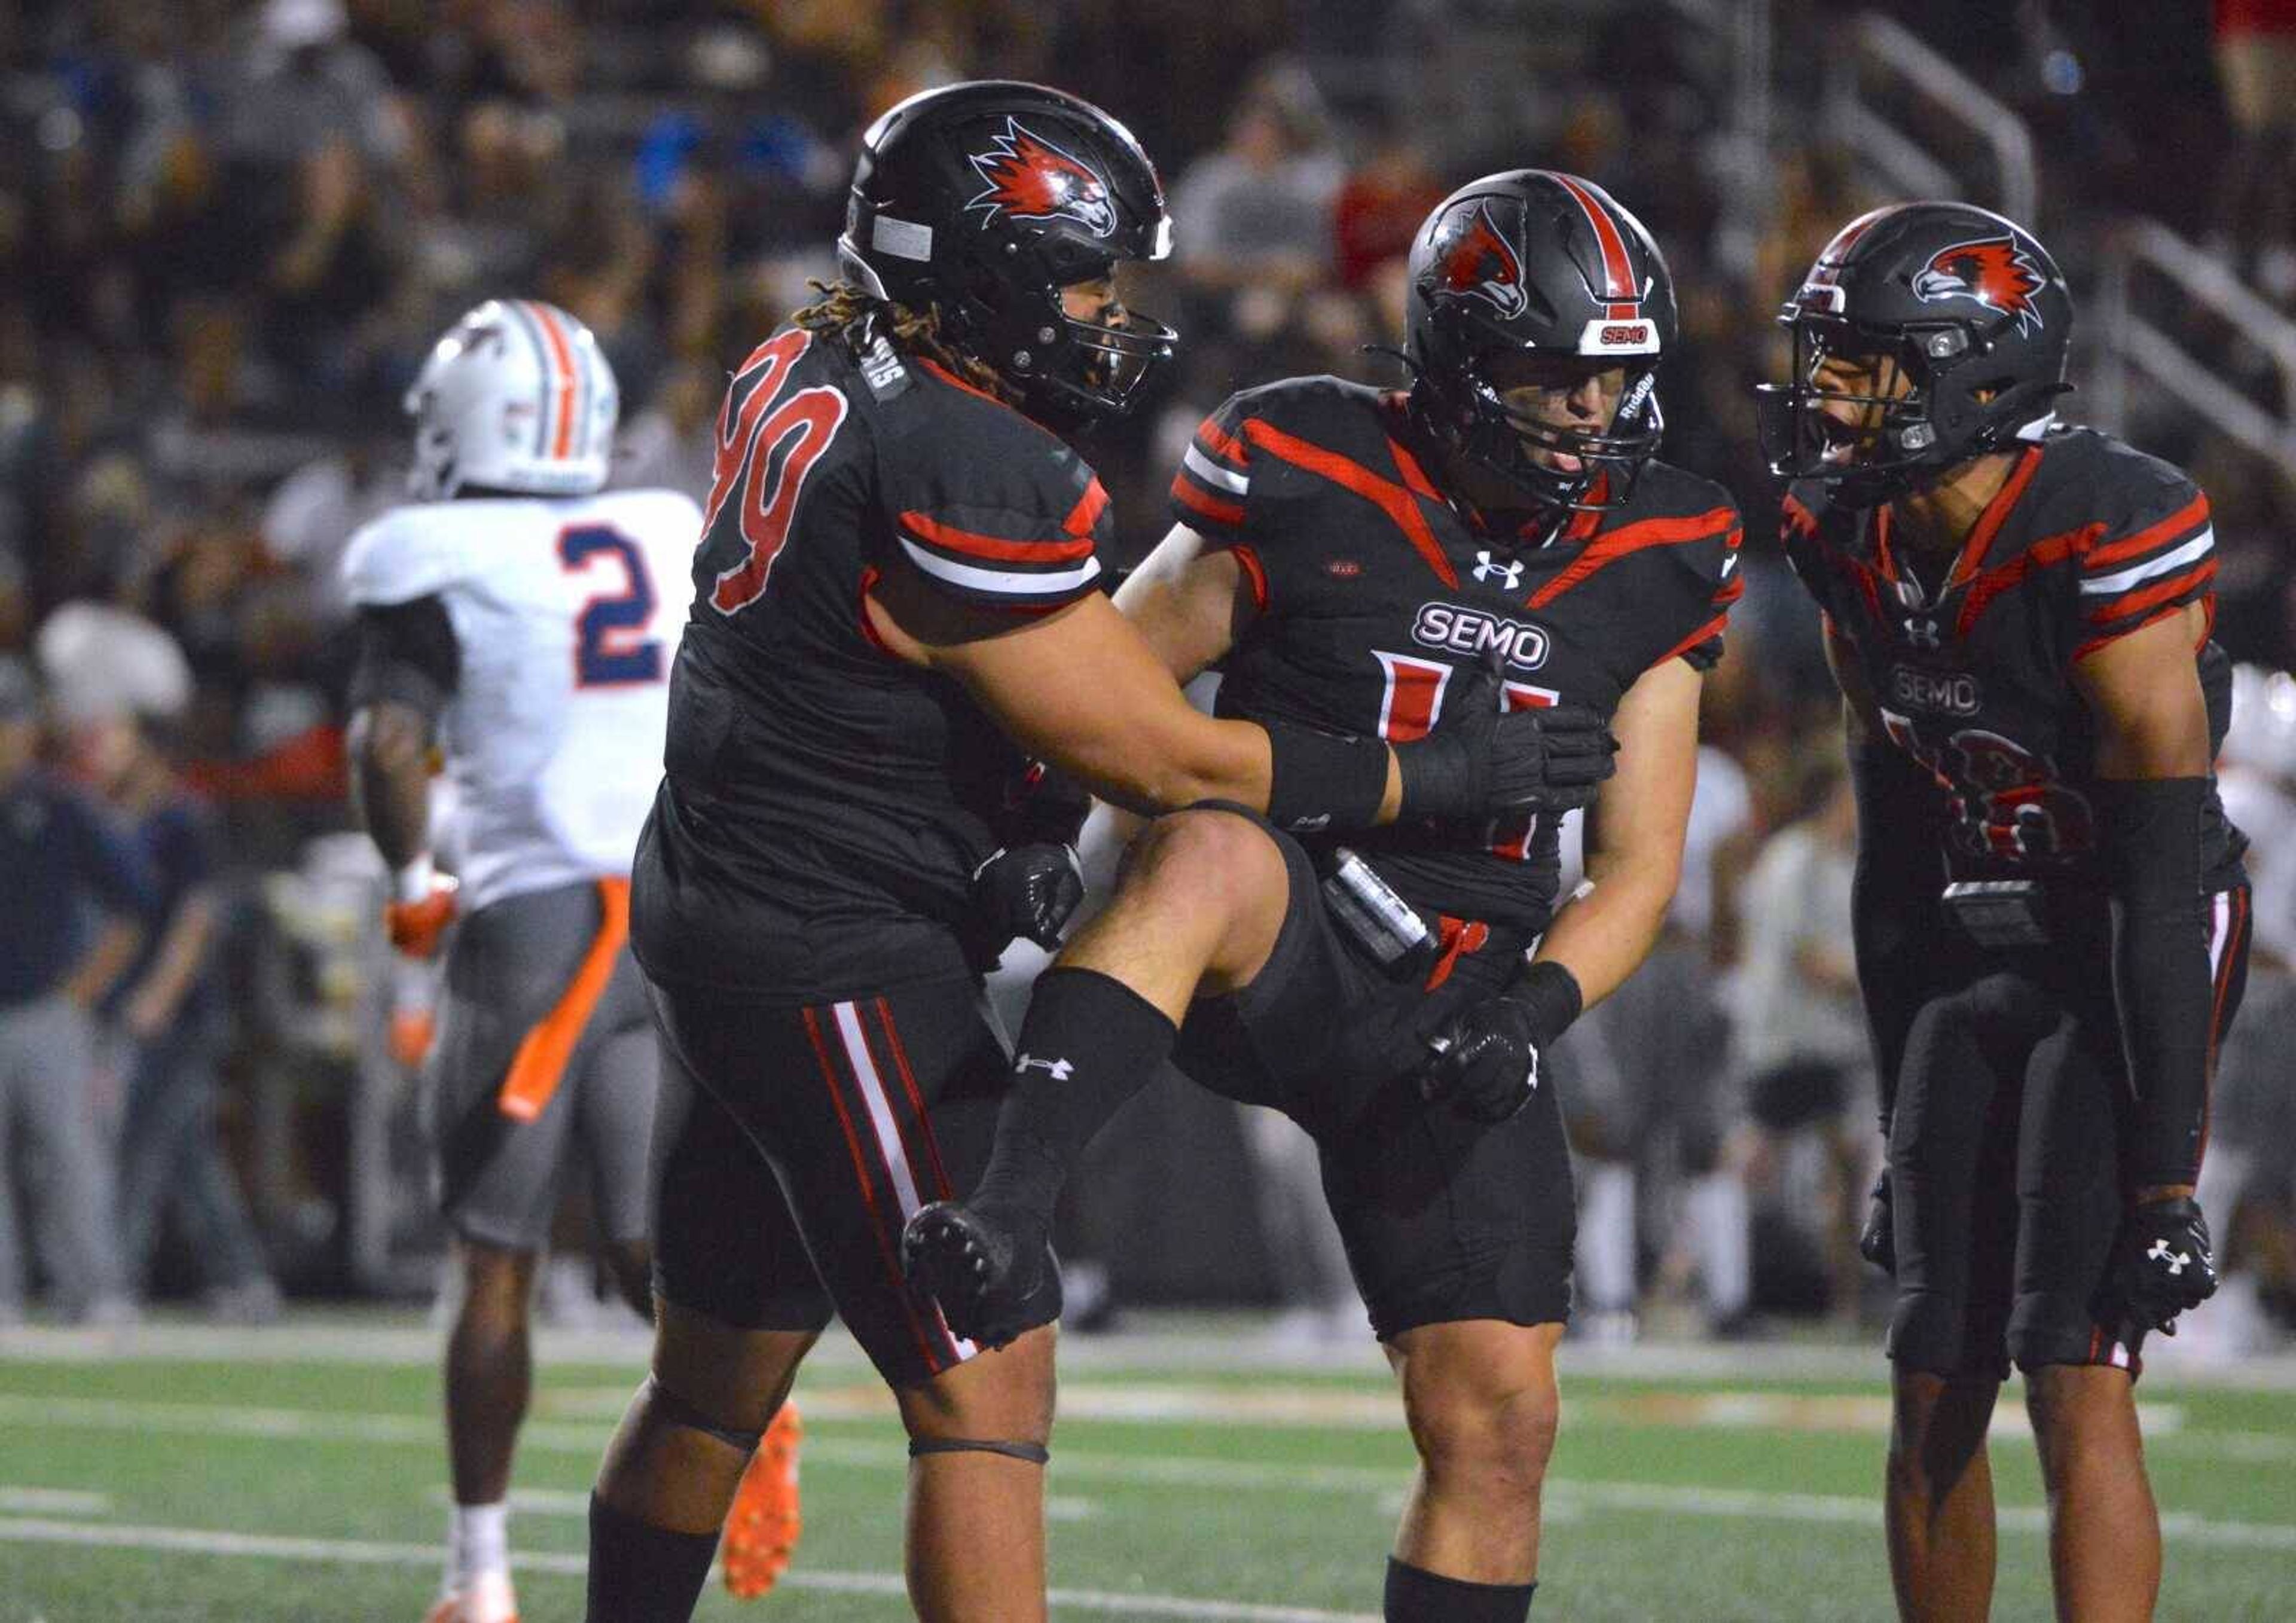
column 752, row 459
column 611, row 647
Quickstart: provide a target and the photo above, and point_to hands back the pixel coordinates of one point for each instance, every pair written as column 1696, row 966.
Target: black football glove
column 2163, row 1263
column 1484, row 1060
column 1478, row 763
column 1028, row 890
column 1877, row 1240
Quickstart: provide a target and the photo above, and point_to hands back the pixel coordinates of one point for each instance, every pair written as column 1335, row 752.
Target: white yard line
column 53, row 1501
column 201, row 1541
column 1163, row 1471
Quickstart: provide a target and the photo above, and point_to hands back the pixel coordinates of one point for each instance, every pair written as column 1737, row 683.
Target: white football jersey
column 566, row 610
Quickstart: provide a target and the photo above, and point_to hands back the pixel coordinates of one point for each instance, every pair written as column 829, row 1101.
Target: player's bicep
column 2144, row 694
column 1081, row 688
column 1191, row 600
column 1638, row 824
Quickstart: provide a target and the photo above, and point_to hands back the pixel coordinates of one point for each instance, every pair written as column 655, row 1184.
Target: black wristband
column 1322, row 781
column 1552, row 993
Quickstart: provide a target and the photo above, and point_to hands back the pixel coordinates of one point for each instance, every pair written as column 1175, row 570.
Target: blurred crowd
column 229, row 230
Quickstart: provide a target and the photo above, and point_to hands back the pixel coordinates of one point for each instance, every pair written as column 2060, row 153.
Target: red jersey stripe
column 2138, row 624
column 1255, row 573
column 2191, row 516
column 1712, row 628
column 1086, row 513
column 1996, row 513
column 1210, row 507
column 2158, row 592
column 2008, row 577
column 1398, row 504
column 1612, row 546
column 948, row 537
column 1219, row 443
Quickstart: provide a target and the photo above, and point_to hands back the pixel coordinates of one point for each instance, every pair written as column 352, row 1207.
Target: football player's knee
column 1006, row 1395
column 1209, row 858
column 495, row 1281
column 666, row 1408
column 1498, row 1439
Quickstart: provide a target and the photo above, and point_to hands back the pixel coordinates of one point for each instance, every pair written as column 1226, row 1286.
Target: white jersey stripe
column 888, row 1132
column 2166, row 563
column 1007, row 583
column 1205, row 469
column 2219, row 931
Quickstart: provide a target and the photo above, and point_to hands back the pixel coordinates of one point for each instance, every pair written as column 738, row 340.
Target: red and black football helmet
column 1534, row 260
column 983, row 201
column 1968, row 303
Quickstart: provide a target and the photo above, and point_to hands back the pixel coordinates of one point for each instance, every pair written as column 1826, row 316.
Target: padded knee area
column 1033, row 1454
column 663, row 1404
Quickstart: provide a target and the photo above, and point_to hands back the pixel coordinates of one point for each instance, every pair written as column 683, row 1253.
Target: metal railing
column 2144, row 253
column 1883, row 51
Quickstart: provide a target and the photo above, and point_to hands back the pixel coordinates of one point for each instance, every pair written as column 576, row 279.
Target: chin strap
column 1031, row 1454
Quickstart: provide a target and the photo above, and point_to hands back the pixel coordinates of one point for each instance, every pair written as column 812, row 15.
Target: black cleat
column 992, row 1276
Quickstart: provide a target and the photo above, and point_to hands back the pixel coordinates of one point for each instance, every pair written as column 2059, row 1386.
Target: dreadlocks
column 848, row 312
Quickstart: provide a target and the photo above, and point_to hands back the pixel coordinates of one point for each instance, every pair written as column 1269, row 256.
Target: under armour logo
column 1508, row 575
column 1061, row 1068
column 1921, row 633
column 2177, row 1261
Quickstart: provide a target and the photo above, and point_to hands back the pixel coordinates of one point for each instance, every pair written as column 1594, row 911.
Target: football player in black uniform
column 1356, row 559
column 2051, row 915
column 898, row 577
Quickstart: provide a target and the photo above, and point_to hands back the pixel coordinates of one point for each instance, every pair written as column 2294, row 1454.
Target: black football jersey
column 826, row 804
column 1373, row 591
column 2087, row 541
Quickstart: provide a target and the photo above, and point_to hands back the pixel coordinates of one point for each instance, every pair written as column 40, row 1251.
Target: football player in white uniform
column 522, row 622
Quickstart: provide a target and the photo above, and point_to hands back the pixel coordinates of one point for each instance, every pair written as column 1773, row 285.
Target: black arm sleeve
column 407, row 655
column 1896, row 924
column 2152, row 837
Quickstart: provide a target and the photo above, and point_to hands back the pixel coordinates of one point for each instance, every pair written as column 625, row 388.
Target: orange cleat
column 762, row 1528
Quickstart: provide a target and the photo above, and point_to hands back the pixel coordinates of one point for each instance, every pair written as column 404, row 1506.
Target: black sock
column 640, row 1573
column 1090, row 1043
column 1417, row 1596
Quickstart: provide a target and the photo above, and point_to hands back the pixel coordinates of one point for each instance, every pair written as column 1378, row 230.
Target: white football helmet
column 517, row 396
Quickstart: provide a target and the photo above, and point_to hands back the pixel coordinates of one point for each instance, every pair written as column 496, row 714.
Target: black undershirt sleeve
column 2161, row 980
column 407, row 655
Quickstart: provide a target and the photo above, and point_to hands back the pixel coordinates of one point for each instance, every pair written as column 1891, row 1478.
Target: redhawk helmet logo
column 1994, row 271
column 1032, row 179
column 1480, row 262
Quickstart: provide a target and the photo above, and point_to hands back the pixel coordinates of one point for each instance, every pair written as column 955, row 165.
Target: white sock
column 1716, row 1204
column 478, row 1540
column 1606, row 1234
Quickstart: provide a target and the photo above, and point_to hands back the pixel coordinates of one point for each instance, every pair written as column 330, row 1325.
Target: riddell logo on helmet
column 1994, row 271
column 1479, row 263
column 1029, row 178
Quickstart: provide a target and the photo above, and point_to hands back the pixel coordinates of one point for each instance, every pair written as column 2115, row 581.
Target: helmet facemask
column 1070, row 372
column 1466, row 409
column 1953, row 412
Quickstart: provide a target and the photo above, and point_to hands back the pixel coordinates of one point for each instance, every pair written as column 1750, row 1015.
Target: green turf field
column 296, row 1474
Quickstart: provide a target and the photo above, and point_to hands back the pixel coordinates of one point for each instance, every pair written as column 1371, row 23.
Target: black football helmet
column 983, row 201
column 1533, row 260
column 1968, row 303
